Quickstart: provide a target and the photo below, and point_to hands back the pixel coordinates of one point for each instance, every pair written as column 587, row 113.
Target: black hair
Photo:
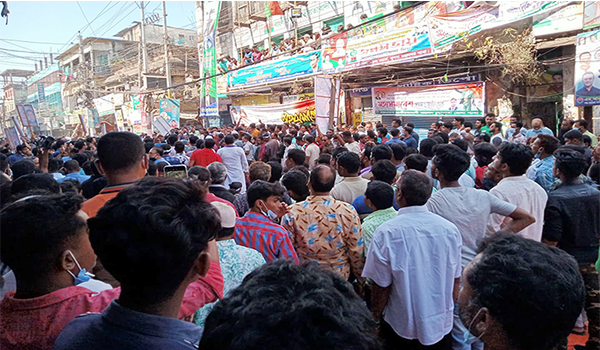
column 380, row 193
column 260, row 189
column 229, row 139
column 25, row 184
column 303, row 170
column 384, row 170
column 172, row 139
column 518, row 124
column 119, row 151
column 484, row 152
column 193, row 139
column 462, row 144
column 451, row 161
column 209, row 143
column 498, row 125
column 346, row 133
column 371, row 134
column 582, row 122
column 383, row 131
column 448, row 125
column 573, row 134
column 586, row 139
column 70, row 185
column 81, row 158
column 199, row 144
column 297, row 181
column 349, row 161
column 79, row 144
column 297, row 300
column 152, row 168
column 149, row 235
column 426, row 147
column 549, row 143
column 460, row 120
column 518, row 157
column 409, row 129
column 570, row 162
column 3, row 162
column 36, row 231
column 484, row 136
column 468, row 125
column 398, row 150
column 514, row 277
column 444, row 136
column 22, row 167
column 276, row 170
column 416, row 187
column 324, row 158
column 199, row 173
column 297, row 155
column 381, row 152
column 416, row 162
column 594, row 173
column 395, row 132
column 309, row 138
column 322, row 178
column 179, row 147
column 72, row 165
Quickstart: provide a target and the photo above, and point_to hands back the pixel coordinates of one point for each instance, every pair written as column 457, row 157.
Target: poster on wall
column 169, row 110
column 269, row 71
column 295, row 112
column 587, row 68
column 464, row 100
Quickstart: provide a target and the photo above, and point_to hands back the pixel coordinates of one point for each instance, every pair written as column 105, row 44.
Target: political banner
column 566, row 19
column 95, row 117
column 587, row 66
column 29, row 118
column 270, row 71
column 209, row 86
column 104, row 105
column 12, row 135
column 460, row 100
column 401, row 37
column 295, row 112
column 169, row 110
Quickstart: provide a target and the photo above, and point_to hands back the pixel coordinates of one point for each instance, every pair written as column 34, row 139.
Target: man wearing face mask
column 540, row 169
column 45, row 242
column 519, row 294
column 257, row 229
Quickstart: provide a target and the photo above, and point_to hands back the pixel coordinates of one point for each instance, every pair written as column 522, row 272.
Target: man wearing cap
column 236, row 261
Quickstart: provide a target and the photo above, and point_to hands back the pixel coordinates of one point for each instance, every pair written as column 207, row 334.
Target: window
column 181, row 40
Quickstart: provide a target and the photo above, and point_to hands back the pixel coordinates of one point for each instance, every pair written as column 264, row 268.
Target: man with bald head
column 414, row 261
column 538, row 128
column 326, row 230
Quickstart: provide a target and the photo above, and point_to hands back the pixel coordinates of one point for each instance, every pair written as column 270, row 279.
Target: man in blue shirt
column 538, row 128
column 395, row 137
column 72, row 167
column 155, row 261
column 408, row 138
column 22, row 152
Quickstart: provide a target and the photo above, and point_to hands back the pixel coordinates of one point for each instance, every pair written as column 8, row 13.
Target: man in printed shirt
column 236, row 261
column 325, row 229
column 257, row 230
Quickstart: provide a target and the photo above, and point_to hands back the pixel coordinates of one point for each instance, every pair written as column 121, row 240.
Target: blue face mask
column 83, row 275
column 270, row 214
column 537, row 156
column 468, row 337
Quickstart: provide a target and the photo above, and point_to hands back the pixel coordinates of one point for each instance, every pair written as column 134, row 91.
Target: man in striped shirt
column 257, row 230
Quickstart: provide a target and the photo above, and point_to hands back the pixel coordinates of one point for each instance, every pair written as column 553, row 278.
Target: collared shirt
column 74, row 176
column 593, row 137
column 418, row 254
column 573, row 220
column 349, row 189
column 411, row 142
column 540, row 171
column 353, row 147
column 204, row 157
column 249, row 147
column 256, row 231
column 544, row 131
column 525, row 194
column 395, row 140
column 119, row 327
column 312, row 152
column 236, row 262
column 57, row 176
column 469, row 209
column 35, row 323
column 517, row 138
column 328, row 231
column 373, row 221
column 92, row 205
column 236, row 163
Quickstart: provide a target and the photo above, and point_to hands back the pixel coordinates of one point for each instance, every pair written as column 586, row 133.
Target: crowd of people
column 284, row 237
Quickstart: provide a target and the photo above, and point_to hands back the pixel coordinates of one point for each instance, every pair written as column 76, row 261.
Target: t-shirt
column 203, row 157
column 469, row 209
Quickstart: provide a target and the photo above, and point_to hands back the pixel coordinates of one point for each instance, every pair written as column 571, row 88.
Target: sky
column 38, row 27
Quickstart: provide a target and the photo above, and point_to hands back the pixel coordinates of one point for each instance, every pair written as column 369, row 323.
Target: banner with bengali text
column 295, row 112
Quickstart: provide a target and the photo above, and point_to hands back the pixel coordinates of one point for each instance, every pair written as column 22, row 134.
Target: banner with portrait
column 209, row 86
column 169, row 110
column 460, row 100
column 295, row 112
column 587, row 69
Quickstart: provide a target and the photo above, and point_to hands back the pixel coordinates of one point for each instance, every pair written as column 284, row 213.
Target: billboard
column 461, row 100
column 169, row 110
column 587, row 69
column 294, row 112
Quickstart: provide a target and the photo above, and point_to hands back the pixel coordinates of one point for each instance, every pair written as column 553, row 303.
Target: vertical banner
column 41, row 93
column 12, row 135
column 208, row 106
column 587, row 64
column 169, row 110
column 18, row 126
column 323, row 103
column 95, row 116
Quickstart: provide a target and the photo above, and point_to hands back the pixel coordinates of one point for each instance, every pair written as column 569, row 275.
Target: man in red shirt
column 45, row 242
column 203, row 157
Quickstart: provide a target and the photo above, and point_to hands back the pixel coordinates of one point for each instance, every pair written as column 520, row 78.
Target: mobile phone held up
column 176, row 171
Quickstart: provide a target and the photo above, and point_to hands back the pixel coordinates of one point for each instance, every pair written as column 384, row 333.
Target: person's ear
column 145, row 161
column 66, row 261
column 483, row 323
column 201, row 264
column 99, row 167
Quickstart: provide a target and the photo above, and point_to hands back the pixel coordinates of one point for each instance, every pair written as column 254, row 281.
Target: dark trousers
column 592, row 304
column 394, row 341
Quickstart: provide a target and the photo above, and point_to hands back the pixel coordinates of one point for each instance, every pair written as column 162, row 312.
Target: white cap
column 227, row 214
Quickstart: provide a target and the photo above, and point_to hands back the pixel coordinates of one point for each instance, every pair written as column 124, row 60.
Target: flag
column 272, row 8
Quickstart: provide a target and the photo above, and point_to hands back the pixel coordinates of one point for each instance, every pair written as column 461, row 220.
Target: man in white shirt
column 414, row 261
column 312, row 151
column 347, row 140
column 469, row 209
column 234, row 159
column 512, row 162
column 352, row 186
column 496, row 130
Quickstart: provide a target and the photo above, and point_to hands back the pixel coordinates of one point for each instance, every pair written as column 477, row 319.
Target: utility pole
column 144, row 48
column 167, row 66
